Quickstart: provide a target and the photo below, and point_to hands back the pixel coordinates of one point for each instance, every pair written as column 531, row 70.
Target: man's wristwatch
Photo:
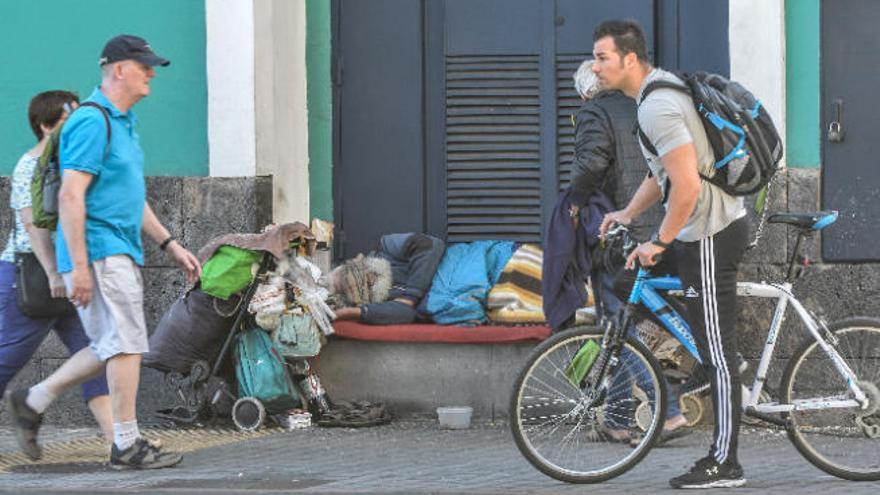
column 164, row 244
column 657, row 242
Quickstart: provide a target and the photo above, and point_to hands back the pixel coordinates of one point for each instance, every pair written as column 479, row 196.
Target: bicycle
column 828, row 399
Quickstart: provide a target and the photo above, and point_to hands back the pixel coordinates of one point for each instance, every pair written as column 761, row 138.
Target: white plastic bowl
column 455, row 418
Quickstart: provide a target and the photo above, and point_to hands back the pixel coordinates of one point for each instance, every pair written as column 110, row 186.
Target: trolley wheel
column 691, row 408
column 199, row 371
column 248, row 414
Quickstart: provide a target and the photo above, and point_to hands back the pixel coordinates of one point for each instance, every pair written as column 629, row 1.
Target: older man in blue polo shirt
column 103, row 211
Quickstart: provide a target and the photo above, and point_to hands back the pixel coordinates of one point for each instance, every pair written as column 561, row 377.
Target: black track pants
column 708, row 275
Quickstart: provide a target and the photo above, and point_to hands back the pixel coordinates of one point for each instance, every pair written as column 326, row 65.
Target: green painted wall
column 320, row 101
column 55, row 44
column 802, row 54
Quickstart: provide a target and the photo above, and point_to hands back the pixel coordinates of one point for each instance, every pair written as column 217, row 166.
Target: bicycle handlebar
column 628, row 244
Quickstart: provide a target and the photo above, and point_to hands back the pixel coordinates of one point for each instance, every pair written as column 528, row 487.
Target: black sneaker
column 26, row 423
column 709, row 473
column 143, row 454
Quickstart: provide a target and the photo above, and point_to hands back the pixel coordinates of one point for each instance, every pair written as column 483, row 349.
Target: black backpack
column 746, row 144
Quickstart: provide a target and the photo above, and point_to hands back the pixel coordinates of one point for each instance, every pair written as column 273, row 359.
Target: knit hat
column 362, row 280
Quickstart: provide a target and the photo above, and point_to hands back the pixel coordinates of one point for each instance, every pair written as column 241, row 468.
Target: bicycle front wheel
column 844, row 442
column 576, row 432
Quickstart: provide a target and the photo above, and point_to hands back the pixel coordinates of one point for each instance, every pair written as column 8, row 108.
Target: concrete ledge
column 416, row 378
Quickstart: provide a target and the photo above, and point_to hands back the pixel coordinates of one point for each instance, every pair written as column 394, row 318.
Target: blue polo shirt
column 115, row 198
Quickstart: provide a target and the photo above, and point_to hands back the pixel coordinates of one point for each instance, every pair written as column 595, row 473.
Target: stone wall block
column 754, row 313
column 803, row 197
column 162, row 286
column 165, row 195
column 771, row 246
column 218, row 206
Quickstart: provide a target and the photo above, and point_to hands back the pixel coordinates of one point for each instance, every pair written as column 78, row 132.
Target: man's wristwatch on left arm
column 657, row 242
column 164, row 244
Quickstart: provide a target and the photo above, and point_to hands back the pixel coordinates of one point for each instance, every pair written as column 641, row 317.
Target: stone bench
column 416, row 368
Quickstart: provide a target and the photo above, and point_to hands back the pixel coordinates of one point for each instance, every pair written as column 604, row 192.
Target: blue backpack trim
column 721, row 124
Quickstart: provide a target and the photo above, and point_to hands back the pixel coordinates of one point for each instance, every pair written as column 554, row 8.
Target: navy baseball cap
column 129, row 47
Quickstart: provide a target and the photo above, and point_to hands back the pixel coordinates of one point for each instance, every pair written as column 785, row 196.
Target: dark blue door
column 850, row 182
column 453, row 116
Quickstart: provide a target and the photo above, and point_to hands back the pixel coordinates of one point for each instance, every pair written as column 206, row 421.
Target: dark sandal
column 604, row 436
column 669, row 435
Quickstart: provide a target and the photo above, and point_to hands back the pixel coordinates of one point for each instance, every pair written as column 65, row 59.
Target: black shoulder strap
column 663, row 84
column 106, row 121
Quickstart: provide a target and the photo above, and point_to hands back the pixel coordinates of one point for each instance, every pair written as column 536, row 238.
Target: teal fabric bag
column 297, row 336
column 262, row 374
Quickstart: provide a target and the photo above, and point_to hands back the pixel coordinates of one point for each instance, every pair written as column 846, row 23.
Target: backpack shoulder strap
column 653, row 85
column 106, row 121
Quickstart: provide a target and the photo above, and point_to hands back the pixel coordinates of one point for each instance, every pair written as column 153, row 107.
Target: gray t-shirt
column 668, row 118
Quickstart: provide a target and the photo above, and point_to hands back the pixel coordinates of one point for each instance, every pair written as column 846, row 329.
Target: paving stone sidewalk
column 410, row 458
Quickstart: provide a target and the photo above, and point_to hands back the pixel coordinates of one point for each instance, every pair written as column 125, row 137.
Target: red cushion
column 427, row 332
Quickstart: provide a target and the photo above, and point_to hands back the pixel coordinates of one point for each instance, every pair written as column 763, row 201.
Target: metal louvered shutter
column 493, row 180
column 567, row 104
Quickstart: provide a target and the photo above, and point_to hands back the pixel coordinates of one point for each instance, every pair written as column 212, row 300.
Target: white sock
column 125, row 434
column 39, row 398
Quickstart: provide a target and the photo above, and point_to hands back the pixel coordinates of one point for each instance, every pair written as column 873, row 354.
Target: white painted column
column 231, row 108
column 757, row 52
column 282, row 105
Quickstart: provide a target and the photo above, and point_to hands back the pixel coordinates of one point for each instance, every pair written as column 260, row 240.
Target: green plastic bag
column 46, row 181
column 262, row 374
column 229, row 270
column 582, row 362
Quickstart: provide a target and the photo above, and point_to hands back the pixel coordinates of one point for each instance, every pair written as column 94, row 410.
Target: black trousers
column 708, row 275
column 707, row 269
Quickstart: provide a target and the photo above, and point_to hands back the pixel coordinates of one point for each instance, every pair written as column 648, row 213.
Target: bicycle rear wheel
column 563, row 430
column 844, row 442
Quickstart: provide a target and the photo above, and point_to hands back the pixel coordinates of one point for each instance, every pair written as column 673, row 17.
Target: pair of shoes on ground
column 26, row 422
column 666, row 436
column 709, row 473
column 602, row 435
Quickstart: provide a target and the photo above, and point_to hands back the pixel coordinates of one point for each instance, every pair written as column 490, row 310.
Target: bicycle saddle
column 815, row 221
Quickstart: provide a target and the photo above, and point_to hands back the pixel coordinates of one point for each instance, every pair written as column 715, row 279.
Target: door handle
column 835, row 128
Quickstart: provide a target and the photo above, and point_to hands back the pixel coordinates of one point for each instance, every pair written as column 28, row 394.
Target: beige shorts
column 114, row 320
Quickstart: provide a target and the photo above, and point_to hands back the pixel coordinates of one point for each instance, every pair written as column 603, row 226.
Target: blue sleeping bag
column 462, row 282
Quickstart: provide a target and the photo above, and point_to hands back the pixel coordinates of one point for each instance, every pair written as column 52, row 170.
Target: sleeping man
column 385, row 287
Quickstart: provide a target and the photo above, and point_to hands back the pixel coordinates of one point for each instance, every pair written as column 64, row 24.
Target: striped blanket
column 516, row 297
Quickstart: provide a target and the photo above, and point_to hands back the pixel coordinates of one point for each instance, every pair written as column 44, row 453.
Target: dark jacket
column 567, row 262
column 607, row 156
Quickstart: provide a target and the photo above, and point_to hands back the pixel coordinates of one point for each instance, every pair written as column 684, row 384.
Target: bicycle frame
column 644, row 292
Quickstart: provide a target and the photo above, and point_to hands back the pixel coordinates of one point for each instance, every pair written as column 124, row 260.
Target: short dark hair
column 628, row 37
column 47, row 108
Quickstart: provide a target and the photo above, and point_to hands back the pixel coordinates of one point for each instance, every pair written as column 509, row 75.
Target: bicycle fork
column 598, row 378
